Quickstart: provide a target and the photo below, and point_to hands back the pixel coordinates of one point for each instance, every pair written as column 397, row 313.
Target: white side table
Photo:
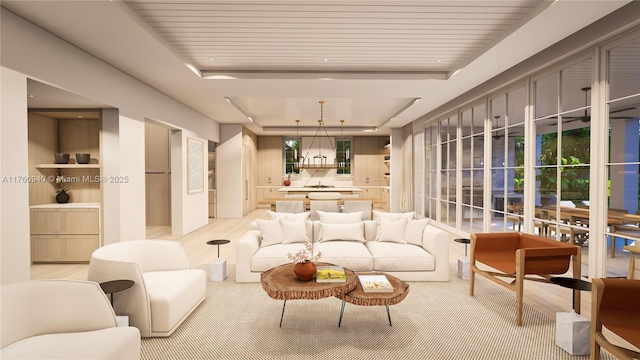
column 463, row 264
column 218, row 267
column 122, row 320
column 573, row 331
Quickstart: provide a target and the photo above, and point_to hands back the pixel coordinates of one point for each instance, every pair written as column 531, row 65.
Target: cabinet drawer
column 63, row 248
column 65, row 221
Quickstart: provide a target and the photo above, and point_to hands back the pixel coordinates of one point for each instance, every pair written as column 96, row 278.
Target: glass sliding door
column 431, row 187
column 507, row 114
column 623, row 165
column 563, row 147
column 472, row 168
column 448, row 173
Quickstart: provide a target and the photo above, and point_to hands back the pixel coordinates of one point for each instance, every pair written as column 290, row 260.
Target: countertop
column 313, row 189
column 67, row 206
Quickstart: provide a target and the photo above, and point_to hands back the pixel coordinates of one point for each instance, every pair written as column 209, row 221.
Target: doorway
column 157, row 174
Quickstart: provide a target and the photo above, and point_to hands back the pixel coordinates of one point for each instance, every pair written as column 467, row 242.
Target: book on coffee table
column 375, row 283
column 330, row 274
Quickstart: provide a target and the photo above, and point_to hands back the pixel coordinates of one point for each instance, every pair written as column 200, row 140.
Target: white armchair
column 166, row 289
column 62, row 319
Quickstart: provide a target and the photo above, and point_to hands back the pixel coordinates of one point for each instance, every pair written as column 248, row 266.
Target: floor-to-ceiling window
column 562, row 117
column 472, row 119
column 623, row 162
column 582, row 132
column 506, row 118
column 448, row 173
column 430, row 175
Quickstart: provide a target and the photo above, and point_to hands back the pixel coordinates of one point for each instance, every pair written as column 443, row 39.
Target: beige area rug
column 435, row 321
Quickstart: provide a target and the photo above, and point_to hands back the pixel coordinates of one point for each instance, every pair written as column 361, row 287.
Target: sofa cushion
column 172, row 295
column 392, row 231
column 328, row 217
column 271, row 256
column 271, row 232
column 110, row 343
column 350, row 254
column 389, row 256
column 414, row 230
column 294, row 231
column 332, row 232
column 377, row 215
column 289, row 216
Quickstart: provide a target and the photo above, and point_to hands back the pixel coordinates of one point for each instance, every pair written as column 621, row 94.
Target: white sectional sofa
column 394, row 243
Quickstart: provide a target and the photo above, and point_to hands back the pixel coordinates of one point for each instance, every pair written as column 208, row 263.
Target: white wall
column 130, row 164
column 14, row 192
column 229, row 172
column 190, row 211
column 29, row 51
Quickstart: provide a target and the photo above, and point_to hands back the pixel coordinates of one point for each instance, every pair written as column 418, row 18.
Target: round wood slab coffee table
column 280, row 283
column 359, row 297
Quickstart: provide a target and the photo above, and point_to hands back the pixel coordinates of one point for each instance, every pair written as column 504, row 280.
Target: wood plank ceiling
column 365, row 36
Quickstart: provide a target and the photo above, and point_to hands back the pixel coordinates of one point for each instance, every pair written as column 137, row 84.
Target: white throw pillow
column 271, row 232
column 377, row 215
column 294, row 231
column 392, row 231
column 330, row 232
column 289, row 216
column 327, row 217
column 414, row 230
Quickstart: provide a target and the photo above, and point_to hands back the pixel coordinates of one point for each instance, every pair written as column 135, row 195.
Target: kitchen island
column 305, row 190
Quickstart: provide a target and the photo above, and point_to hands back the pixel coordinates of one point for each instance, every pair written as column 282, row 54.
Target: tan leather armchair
column 521, row 256
column 615, row 318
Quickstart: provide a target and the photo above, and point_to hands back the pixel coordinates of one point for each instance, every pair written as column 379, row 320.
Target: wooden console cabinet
column 64, row 232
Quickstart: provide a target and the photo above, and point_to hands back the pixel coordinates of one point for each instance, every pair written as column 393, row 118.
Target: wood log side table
column 359, row 297
column 280, row 283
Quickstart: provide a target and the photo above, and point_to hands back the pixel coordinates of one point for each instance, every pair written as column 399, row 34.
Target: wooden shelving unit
column 67, row 166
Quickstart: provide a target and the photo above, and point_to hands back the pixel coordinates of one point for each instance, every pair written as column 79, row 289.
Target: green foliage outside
column 574, row 164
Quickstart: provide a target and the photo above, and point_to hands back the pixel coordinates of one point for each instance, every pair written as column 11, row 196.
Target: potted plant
column 62, row 196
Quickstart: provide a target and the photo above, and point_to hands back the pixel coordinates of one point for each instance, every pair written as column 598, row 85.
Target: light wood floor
column 546, row 298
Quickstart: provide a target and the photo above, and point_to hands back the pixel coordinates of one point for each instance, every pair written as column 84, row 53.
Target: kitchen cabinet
column 249, row 166
column 267, row 192
column 368, row 160
column 64, row 232
column 270, row 168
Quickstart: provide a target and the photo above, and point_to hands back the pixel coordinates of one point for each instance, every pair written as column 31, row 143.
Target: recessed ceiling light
column 438, row 60
column 212, row 58
column 326, row 58
column 79, row 116
column 30, row 96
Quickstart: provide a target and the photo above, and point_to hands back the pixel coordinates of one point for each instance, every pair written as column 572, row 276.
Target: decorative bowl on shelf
column 62, row 158
column 83, row 158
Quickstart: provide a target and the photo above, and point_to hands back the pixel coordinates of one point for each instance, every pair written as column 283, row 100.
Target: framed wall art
column 195, row 166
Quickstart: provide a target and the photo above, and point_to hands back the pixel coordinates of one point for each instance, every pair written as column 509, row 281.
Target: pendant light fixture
column 319, row 160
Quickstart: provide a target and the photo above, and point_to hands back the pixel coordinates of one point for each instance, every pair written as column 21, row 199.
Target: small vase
column 305, row 271
column 62, row 198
